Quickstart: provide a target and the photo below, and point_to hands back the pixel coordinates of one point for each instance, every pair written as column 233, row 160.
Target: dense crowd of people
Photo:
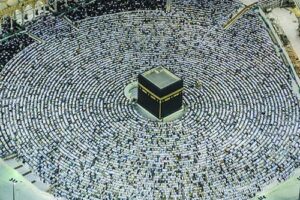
column 75, row 11
column 9, row 48
column 65, row 114
column 102, row 7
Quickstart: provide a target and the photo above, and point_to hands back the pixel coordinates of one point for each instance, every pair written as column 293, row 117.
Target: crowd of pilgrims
column 75, row 10
column 103, row 7
column 213, row 153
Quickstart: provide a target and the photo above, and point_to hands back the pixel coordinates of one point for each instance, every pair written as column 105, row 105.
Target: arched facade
column 29, row 13
column 39, row 7
column 18, row 16
column 24, row 11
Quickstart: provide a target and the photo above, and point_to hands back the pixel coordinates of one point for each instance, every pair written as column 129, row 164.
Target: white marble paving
column 24, row 190
column 289, row 23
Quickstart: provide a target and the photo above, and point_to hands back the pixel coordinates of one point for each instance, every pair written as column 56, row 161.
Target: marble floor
column 24, row 190
column 288, row 190
column 289, row 23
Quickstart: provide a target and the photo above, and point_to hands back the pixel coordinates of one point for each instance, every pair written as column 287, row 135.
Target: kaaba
column 160, row 92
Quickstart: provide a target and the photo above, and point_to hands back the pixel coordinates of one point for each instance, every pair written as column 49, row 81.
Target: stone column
column 44, row 8
column 55, row 5
column 1, row 26
column 22, row 17
column 33, row 12
column 168, row 5
column 11, row 23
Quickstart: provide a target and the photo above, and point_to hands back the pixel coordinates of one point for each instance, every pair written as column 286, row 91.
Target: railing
column 294, row 58
column 9, row 157
column 232, row 20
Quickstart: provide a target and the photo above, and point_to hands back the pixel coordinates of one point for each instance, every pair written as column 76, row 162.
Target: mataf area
column 65, row 114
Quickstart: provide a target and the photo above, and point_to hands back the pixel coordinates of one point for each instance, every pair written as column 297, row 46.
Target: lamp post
column 14, row 181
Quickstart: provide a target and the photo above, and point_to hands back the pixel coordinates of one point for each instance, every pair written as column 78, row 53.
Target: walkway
column 288, row 190
column 288, row 21
column 24, row 190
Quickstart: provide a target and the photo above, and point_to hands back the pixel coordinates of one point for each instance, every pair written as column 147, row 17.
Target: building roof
column 160, row 77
